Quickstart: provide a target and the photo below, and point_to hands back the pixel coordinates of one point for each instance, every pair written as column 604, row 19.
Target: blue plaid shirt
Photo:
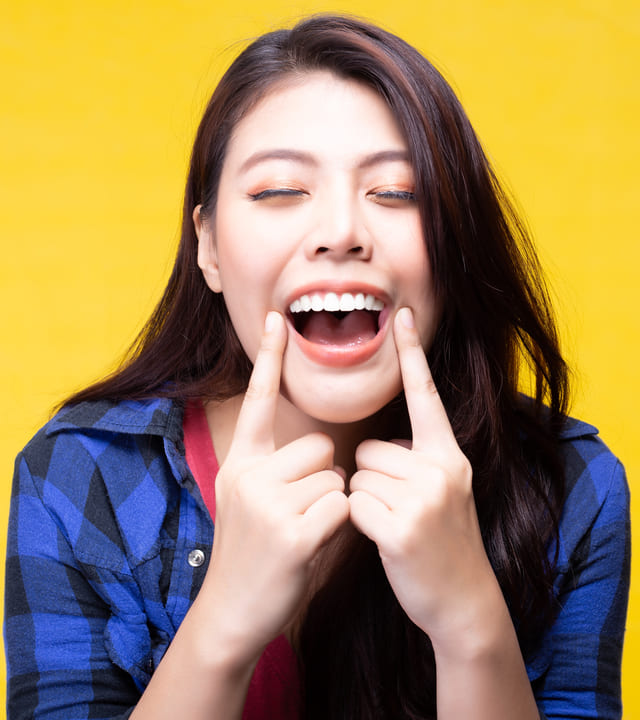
column 101, row 568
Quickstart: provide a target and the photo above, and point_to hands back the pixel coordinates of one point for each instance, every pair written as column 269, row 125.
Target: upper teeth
column 332, row 302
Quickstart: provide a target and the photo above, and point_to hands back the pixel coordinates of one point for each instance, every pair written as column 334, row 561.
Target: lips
column 339, row 326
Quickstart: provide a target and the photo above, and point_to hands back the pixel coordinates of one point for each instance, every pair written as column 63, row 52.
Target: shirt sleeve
column 576, row 673
column 57, row 664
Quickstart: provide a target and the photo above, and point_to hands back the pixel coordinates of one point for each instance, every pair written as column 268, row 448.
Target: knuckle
column 423, row 386
column 460, row 472
column 339, row 504
column 271, row 347
column 465, row 472
column 242, row 490
column 271, row 520
column 258, row 390
column 406, row 541
column 335, row 482
column 362, row 451
column 225, row 480
column 290, row 539
column 323, row 441
column 321, row 446
column 355, row 481
column 451, row 485
column 359, row 457
column 429, row 387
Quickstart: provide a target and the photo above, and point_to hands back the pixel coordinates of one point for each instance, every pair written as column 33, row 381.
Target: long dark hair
column 361, row 656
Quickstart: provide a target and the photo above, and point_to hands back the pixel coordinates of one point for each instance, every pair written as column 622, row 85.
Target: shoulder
column 106, row 466
column 581, row 651
column 587, row 458
column 89, row 427
column 153, row 416
column 596, row 489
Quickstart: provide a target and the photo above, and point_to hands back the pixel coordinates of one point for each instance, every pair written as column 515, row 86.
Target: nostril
column 356, row 250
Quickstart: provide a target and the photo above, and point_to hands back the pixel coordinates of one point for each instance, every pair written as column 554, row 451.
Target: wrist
column 476, row 629
column 486, row 660
column 218, row 643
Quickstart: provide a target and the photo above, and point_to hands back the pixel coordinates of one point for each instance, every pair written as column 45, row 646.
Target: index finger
column 254, row 429
column 429, row 422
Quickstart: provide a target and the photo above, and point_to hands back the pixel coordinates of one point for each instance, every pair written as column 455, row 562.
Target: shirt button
column 196, row 558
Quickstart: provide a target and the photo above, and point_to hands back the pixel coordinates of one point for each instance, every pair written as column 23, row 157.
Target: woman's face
column 315, row 218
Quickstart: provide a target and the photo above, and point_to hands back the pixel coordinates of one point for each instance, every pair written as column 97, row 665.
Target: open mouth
column 344, row 320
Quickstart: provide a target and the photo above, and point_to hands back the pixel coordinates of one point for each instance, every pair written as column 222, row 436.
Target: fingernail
column 270, row 321
column 406, row 317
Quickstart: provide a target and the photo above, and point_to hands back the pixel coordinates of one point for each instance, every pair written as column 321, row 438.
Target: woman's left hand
column 417, row 505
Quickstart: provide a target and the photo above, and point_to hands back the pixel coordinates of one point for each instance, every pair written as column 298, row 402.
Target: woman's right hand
column 274, row 510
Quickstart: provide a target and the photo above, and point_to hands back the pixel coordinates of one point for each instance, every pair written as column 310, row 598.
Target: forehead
column 321, row 113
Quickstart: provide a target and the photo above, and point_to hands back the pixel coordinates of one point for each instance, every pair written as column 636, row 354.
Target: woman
column 382, row 549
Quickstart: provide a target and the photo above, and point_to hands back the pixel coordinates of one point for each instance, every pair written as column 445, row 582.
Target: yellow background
column 98, row 107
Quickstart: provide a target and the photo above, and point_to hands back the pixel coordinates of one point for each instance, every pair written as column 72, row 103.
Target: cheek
column 239, row 266
column 244, row 308
column 239, row 244
column 414, row 274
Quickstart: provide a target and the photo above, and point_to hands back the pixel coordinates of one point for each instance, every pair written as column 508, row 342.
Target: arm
column 55, row 621
column 583, row 650
column 417, row 506
column 274, row 509
column 56, row 628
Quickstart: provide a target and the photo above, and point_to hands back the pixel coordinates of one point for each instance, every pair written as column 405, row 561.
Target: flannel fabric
column 101, row 568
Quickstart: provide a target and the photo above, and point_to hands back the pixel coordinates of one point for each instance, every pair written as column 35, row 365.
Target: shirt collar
column 163, row 417
column 155, row 416
column 576, row 428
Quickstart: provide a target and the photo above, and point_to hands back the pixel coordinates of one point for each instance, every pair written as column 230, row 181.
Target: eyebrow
column 378, row 158
column 384, row 156
column 277, row 154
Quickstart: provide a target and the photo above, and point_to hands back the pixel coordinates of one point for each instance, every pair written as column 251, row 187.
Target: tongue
column 354, row 328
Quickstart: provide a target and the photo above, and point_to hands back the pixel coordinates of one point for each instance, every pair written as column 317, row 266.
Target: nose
column 340, row 230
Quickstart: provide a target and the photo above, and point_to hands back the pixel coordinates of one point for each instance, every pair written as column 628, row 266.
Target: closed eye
column 393, row 197
column 275, row 193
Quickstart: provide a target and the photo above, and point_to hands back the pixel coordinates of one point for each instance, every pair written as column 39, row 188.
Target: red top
column 274, row 691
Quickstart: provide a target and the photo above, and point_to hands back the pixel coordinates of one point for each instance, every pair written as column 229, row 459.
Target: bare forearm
column 485, row 678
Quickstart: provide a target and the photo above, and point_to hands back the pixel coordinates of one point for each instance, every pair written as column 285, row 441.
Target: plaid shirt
column 109, row 542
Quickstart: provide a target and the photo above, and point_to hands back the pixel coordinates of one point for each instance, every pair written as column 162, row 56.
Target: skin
column 333, row 151
column 280, row 496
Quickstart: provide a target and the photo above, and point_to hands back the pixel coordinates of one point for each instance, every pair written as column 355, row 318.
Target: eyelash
column 388, row 195
column 397, row 195
column 275, row 192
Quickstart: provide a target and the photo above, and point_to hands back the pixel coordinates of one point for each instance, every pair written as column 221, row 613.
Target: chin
column 332, row 393
column 340, row 406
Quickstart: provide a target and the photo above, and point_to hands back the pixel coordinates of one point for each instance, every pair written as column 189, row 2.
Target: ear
column 207, row 254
